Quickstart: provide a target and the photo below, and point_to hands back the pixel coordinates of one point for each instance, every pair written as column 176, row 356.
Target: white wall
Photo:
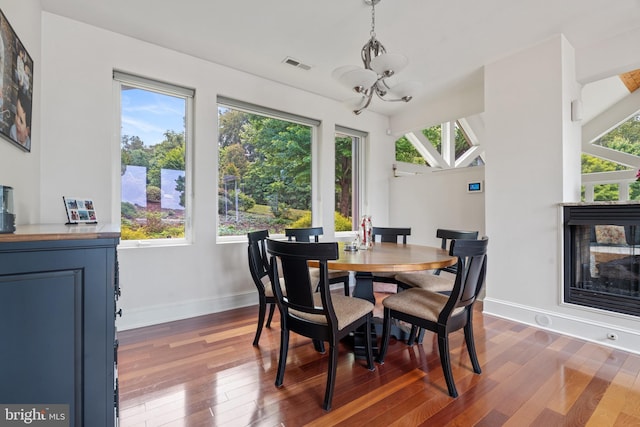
column 19, row 169
column 80, row 157
column 436, row 199
column 533, row 154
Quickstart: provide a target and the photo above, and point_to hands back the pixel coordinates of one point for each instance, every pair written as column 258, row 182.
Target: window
column 426, row 148
column 348, row 152
column 264, row 159
column 611, row 182
column 155, row 139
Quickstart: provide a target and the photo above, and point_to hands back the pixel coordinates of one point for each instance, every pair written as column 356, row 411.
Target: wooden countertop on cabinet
column 39, row 232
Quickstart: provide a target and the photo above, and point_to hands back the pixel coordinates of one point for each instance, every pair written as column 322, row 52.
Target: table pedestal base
column 364, row 290
column 400, row 332
column 364, row 287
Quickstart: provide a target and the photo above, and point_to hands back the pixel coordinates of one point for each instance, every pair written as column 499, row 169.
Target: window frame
column 358, row 140
column 247, row 107
column 121, row 79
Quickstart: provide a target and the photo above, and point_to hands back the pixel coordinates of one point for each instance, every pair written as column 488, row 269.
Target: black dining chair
column 440, row 313
column 259, row 268
column 389, row 235
column 433, row 280
column 317, row 315
column 313, row 234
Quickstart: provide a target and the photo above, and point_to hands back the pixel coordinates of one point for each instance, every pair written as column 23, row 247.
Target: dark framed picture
column 16, row 87
column 80, row 210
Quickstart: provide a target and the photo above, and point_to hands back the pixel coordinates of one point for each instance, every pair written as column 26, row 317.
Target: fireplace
column 602, row 256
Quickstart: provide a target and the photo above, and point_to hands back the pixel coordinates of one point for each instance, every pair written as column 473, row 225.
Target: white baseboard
column 153, row 315
column 586, row 329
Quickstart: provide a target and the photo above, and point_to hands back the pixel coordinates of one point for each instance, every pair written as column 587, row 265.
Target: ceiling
column 447, row 41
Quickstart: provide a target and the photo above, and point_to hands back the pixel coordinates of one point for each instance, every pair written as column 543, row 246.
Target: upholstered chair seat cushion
column 419, row 303
column 268, row 290
column 347, row 310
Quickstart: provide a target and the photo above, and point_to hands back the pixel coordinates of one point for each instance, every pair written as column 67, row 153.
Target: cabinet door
column 41, row 332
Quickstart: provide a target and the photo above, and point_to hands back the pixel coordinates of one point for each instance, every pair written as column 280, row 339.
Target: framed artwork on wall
column 16, row 87
column 80, row 210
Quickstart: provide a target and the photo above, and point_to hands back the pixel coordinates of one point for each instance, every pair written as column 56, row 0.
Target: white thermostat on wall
column 475, row 187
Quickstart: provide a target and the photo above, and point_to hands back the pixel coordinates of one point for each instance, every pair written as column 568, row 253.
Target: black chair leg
column 471, row 347
column 345, row 281
column 271, row 310
column 282, row 363
column 412, row 335
column 331, row 376
column 367, row 342
column 262, row 308
column 416, row 335
column 386, row 331
column 445, row 360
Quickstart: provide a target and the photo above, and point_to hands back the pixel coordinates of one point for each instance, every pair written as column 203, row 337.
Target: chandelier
column 375, row 77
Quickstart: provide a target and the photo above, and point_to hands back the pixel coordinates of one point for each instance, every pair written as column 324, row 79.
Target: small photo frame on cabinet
column 80, row 210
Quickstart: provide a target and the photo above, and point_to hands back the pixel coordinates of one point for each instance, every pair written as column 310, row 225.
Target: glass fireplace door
column 602, row 259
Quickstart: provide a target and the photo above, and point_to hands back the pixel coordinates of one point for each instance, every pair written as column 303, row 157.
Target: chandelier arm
column 378, row 90
column 370, row 50
column 365, row 54
column 403, row 99
column 382, row 96
column 358, row 111
column 382, row 93
column 383, row 80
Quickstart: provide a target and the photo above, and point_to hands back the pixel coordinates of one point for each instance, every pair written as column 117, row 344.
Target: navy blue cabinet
column 58, row 292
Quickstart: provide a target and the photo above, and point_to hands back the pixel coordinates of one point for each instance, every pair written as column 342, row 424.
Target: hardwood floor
column 205, row 372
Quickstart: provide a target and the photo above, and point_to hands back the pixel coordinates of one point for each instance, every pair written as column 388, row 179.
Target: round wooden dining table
column 387, row 258
column 392, row 257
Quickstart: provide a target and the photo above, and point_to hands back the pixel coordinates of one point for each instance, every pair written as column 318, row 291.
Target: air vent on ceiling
column 295, row 63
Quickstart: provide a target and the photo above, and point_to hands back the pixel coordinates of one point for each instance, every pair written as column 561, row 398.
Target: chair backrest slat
column 303, row 234
column 258, row 260
column 390, row 234
column 472, row 264
column 448, row 235
column 294, row 257
column 297, row 282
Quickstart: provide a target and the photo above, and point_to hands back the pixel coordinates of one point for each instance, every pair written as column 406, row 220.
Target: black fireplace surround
column 602, row 256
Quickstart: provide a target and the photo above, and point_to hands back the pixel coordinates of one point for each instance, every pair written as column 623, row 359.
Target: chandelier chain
column 373, row 20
